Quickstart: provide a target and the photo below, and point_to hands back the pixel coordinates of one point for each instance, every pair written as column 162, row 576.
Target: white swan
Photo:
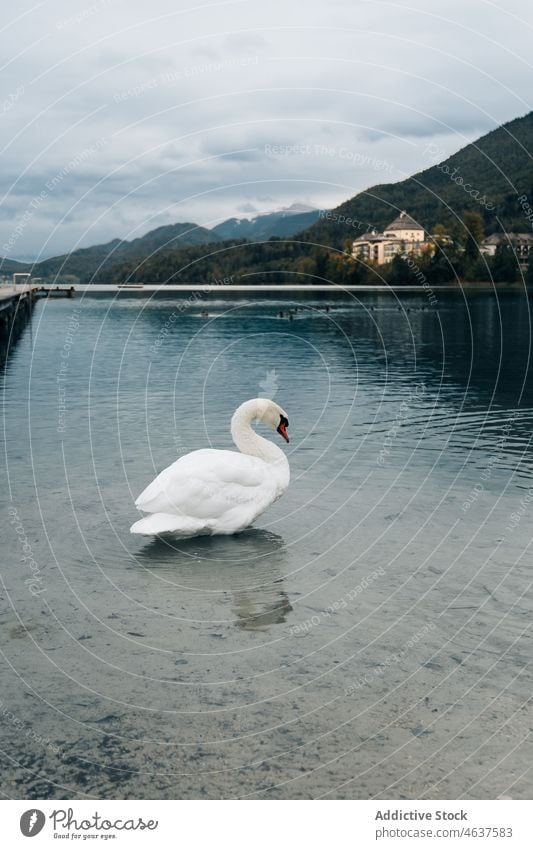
column 220, row 492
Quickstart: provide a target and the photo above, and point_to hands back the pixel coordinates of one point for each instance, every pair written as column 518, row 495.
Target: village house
column 521, row 244
column 402, row 236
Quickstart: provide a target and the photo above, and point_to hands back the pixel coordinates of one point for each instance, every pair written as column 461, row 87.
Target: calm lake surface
column 370, row 637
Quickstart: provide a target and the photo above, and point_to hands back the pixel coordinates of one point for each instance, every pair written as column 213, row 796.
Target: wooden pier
column 12, row 297
column 16, row 304
column 54, row 291
column 18, row 293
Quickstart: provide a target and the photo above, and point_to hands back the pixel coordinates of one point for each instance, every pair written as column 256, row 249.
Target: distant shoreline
column 201, row 290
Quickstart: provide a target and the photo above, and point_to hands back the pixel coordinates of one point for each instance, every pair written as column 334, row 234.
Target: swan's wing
column 208, row 483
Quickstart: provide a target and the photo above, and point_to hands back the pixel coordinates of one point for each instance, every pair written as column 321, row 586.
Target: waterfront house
column 403, row 236
column 520, row 243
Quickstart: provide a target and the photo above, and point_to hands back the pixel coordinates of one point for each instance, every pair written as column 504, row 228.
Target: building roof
column 505, row 238
column 388, row 238
column 403, row 222
column 371, row 237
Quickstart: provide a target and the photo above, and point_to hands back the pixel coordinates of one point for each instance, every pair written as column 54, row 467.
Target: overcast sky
column 120, row 115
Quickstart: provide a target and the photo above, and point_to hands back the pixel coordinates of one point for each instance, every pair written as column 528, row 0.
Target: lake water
column 370, row 637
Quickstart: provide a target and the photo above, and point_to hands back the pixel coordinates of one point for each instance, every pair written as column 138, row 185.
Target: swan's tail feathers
column 166, row 523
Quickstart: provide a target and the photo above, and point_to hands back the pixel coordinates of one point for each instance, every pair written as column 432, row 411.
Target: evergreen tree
column 504, row 265
column 529, row 272
column 400, row 274
column 321, row 265
column 477, row 271
column 440, row 233
column 444, row 266
column 473, row 235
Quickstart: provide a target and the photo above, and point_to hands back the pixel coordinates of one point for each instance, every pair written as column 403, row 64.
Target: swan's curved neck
column 248, row 441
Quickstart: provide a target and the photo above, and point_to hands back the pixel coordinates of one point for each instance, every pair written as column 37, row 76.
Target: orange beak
column 283, row 431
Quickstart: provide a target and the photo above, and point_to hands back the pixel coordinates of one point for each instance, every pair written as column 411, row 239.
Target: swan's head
column 276, row 417
column 271, row 414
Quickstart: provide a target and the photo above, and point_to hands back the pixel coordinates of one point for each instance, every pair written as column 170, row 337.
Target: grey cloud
column 173, row 87
column 247, row 208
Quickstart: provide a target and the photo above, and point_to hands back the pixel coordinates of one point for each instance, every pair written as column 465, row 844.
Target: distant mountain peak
column 284, row 222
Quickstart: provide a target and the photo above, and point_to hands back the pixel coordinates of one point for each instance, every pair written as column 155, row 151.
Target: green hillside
column 495, row 170
column 98, row 259
column 262, row 227
column 11, row 266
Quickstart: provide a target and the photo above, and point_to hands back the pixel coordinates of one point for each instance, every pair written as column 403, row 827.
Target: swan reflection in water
column 246, row 566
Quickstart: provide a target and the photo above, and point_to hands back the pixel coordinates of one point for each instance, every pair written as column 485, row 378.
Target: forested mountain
column 286, row 222
column 99, row 258
column 488, row 176
column 11, row 266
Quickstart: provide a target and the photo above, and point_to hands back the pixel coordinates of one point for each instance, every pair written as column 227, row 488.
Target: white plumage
column 219, row 492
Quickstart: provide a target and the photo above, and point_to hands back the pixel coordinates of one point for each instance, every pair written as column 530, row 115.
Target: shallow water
column 369, row 637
